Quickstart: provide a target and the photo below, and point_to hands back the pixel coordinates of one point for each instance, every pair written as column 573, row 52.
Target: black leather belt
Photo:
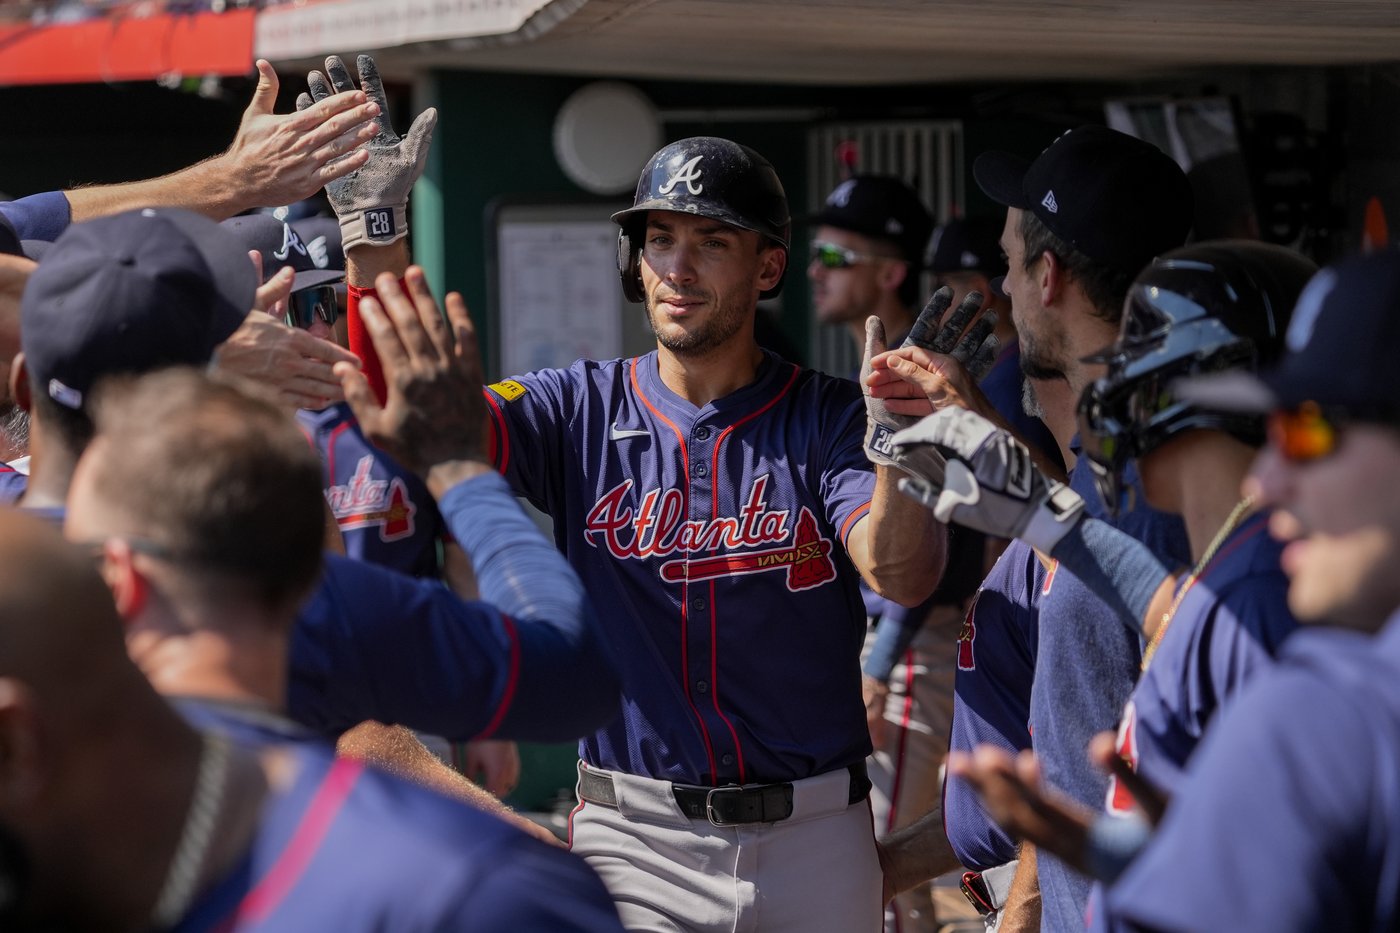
column 723, row 806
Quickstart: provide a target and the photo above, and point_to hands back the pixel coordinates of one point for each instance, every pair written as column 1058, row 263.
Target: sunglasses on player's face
column 831, row 256
column 1305, row 433
column 305, row 306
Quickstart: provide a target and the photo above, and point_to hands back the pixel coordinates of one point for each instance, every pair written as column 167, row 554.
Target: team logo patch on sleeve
column 1120, row 800
column 508, row 389
column 967, row 636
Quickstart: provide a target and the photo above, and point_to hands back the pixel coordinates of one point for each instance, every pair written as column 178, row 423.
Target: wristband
column 375, row 226
column 359, row 339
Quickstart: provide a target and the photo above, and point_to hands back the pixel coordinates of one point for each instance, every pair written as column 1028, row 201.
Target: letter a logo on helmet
column 688, row 173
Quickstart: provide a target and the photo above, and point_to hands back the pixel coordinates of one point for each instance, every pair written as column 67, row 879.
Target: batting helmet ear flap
column 629, row 267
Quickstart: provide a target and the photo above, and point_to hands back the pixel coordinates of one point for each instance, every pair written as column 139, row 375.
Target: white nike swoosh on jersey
column 617, row 434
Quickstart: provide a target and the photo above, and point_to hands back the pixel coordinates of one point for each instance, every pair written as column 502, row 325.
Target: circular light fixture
column 603, row 134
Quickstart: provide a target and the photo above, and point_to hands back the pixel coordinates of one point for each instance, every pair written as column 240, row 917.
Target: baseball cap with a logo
column 1115, row 198
column 1340, row 352
column 882, row 207
column 130, row 293
column 280, row 246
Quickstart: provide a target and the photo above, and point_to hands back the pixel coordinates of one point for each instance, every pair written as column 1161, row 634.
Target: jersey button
column 697, row 603
column 701, row 470
column 702, row 434
column 726, row 760
column 702, row 687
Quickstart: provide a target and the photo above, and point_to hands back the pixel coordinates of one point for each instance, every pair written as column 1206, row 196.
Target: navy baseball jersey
column 1087, row 661
column 343, row 847
column 712, row 540
column 13, row 483
column 1289, row 816
column 525, row 662
column 41, row 216
column 1229, row 626
column 385, row 513
column 992, row 695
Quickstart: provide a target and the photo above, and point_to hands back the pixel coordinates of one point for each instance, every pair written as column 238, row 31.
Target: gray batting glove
column 975, row 347
column 880, row 423
column 989, row 483
column 372, row 202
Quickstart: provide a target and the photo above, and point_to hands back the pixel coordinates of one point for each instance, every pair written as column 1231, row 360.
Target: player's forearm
column 1021, row 913
column 363, row 264
column 916, row 853
column 208, row 188
column 902, row 551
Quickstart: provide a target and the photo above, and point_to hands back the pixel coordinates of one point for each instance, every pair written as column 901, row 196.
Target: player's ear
column 19, row 382
column 129, row 586
column 772, row 263
column 1051, row 278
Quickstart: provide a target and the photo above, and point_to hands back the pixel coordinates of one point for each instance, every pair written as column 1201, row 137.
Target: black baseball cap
column 1340, row 352
column 967, row 246
column 130, row 293
column 1115, row 198
column 322, row 238
column 280, row 246
column 882, row 207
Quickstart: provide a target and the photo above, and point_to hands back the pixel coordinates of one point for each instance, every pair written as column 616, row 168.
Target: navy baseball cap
column 322, row 238
column 882, row 207
column 1340, row 352
column 130, row 293
column 1115, row 198
column 280, row 246
column 967, row 246
column 9, row 238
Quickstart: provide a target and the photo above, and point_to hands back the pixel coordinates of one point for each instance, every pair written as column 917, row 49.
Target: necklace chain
column 1231, row 523
column 181, row 880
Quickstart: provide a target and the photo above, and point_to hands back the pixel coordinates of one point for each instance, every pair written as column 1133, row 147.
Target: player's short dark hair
column 224, row 486
column 1104, row 285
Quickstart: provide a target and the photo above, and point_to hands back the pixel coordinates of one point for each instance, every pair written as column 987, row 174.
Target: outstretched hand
column 282, row 158
column 435, row 410
column 371, row 199
column 940, row 362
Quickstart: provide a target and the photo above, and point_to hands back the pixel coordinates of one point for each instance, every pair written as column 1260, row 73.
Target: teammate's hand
column 874, row 693
column 283, row 158
column 291, row 362
column 493, row 763
column 881, row 424
column 965, row 335
column 989, row 482
column 1012, row 791
column 371, row 199
column 435, row 410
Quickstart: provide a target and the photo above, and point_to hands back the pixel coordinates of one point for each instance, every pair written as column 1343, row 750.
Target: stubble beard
column 724, row 320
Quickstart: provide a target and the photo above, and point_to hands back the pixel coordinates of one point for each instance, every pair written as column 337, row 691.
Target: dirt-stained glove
column 974, row 347
column 989, row 482
column 372, row 202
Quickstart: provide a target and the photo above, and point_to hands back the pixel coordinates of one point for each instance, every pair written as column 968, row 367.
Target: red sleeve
column 360, row 343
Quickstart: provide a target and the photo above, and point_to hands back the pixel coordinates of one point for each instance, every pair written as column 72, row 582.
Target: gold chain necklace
column 1231, row 523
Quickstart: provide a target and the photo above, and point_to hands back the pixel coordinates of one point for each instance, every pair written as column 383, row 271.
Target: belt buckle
column 710, row 813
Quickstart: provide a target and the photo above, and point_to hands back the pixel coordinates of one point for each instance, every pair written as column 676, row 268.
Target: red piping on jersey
column 330, row 447
column 714, row 616
column 901, row 746
column 316, row 821
column 855, row 516
column 500, row 439
column 508, row 694
column 685, row 584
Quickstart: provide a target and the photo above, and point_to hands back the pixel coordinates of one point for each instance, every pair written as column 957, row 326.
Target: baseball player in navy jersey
column 1204, row 308
column 1287, row 818
column 119, row 816
column 1083, row 219
column 716, row 499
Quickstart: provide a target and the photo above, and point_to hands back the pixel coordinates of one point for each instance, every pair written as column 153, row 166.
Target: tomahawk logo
column 967, row 636
column 366, row 502
column 1049, row 203
column 688, row 173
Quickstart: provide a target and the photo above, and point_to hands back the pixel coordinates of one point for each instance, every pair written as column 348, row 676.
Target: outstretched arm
column 274, row 159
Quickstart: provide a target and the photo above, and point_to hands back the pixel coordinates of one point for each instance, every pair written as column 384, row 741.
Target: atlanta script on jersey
column 712, row 541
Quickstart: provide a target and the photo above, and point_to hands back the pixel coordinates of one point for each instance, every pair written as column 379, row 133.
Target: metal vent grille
column 928, row 155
